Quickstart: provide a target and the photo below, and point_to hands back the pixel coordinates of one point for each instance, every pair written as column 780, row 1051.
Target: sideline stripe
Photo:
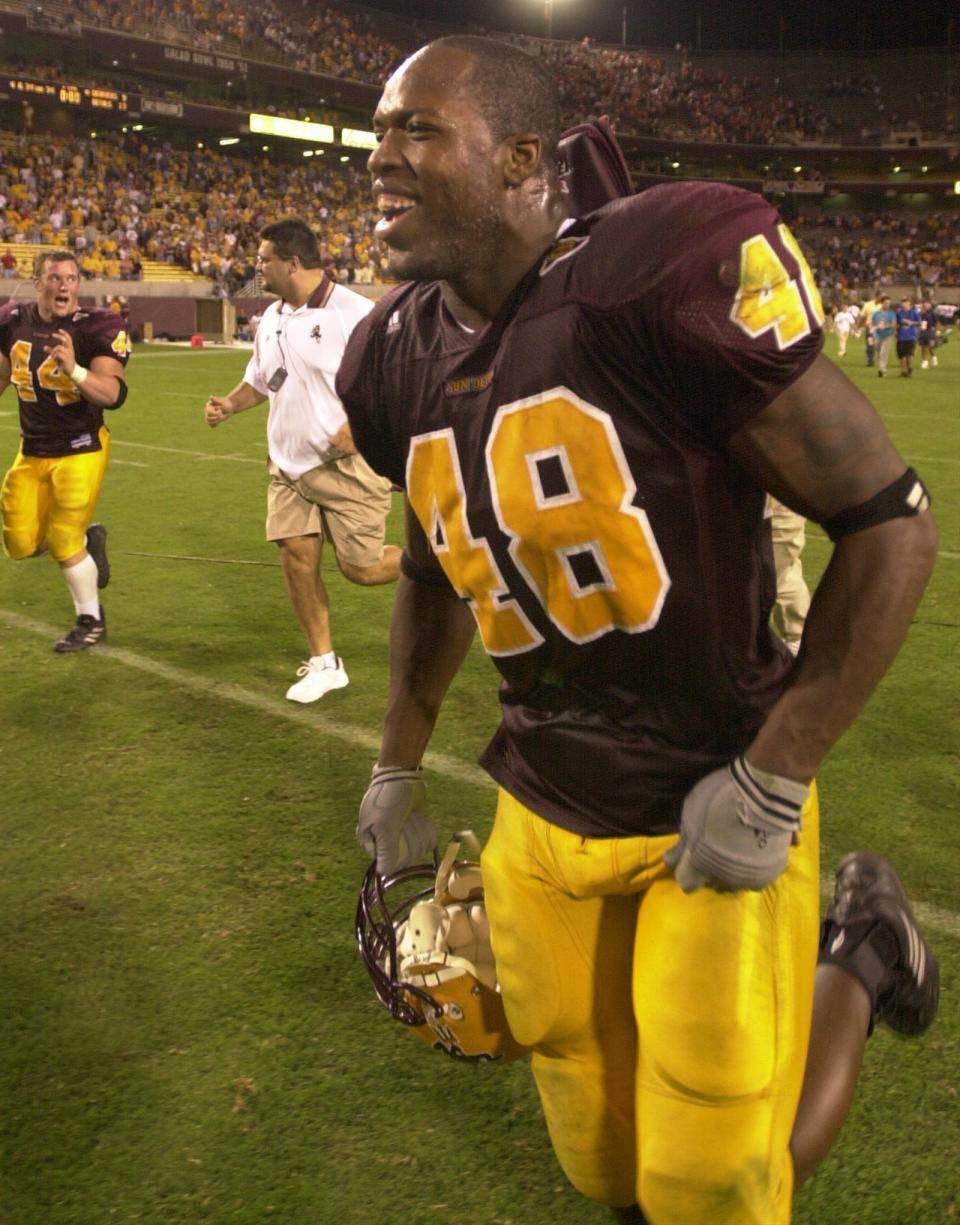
column 315, row 720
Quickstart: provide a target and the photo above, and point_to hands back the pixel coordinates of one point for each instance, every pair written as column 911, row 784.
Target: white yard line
column 315, row 720
column 209, row 455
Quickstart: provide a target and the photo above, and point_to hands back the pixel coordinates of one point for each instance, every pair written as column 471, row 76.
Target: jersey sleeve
column 734, row 311
column 364, row 394
column 104, row 334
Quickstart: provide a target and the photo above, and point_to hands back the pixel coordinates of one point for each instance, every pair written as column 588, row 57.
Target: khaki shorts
column 344, row 502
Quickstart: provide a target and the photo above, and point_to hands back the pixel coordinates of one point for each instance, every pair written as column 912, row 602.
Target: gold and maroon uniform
column 569, row 466
column 50, row 493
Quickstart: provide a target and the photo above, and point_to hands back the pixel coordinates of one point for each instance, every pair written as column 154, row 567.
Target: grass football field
column 187, row 1033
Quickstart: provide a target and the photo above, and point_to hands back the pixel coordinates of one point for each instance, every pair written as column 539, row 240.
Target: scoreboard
column 87, row 97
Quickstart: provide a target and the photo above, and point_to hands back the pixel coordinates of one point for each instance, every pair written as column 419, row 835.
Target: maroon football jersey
column 569, row 466
column 55, row 419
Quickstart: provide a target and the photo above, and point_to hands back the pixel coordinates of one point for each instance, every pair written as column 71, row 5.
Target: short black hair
column 57, row 256
column 513, row 89
column 292, row 236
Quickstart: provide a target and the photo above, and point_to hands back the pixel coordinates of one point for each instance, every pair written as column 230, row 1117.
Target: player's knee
column 19, row 545
column 64, row 542
column 740, row 1194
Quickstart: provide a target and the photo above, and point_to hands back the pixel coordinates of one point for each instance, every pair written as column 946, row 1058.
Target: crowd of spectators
column 644, row 93
column 847, row 250
column 316, row 37
column 116, row 201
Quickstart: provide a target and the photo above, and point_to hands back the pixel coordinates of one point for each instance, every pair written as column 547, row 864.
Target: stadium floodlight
column 292, row 129
column 229, row 140
column 548, row 17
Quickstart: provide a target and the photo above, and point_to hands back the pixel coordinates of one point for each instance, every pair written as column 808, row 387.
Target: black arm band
column 417, row 572
column 121, row 395
column 906, row 496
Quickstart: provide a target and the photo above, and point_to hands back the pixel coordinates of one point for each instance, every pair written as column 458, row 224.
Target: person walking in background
column 908, row 329
column 884, row 325
column 866, row 315
column 843, row 323
column 67, row 364
column 929, row 334
column 320, row 489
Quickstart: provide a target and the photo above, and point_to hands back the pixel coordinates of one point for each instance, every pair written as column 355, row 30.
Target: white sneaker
column 923, row 365
column 935, row 362
column 318, row 678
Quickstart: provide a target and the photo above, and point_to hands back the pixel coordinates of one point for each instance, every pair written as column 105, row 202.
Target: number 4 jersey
column 55, row 419
column 569, row 465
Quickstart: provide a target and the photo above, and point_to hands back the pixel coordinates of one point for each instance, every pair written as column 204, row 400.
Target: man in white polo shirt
column 319, row 486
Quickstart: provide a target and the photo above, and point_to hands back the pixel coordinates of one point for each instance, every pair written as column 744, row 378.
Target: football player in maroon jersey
column 67, row 364
column 586, row 414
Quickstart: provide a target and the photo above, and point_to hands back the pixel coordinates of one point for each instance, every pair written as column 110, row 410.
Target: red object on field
column 196, row 341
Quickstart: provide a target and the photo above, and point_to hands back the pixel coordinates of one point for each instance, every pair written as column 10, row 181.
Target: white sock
column 329, row 660
column 82, row 581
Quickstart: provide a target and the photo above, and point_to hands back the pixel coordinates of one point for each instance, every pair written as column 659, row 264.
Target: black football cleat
column 886, row 948
column 87, row 632
column 97, row 548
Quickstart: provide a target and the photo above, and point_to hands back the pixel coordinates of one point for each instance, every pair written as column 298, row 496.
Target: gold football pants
column 669, row 1030
column 51, row 501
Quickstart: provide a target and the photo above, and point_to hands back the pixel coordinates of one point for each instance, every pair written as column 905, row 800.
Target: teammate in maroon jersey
column 585, row 415
column 67, row 364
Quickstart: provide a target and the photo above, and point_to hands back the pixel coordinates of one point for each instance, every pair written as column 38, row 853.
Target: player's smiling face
column 436, row 176
column 57, row 287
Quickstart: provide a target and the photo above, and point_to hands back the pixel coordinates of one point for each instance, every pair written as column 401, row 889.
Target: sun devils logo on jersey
column 562, row 249
column 315, row 333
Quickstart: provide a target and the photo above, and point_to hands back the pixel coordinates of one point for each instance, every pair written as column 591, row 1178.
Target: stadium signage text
column 205, row 59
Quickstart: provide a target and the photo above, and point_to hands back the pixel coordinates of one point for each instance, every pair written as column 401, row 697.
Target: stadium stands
column 152, row 201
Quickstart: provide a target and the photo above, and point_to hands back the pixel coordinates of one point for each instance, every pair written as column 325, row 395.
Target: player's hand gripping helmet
column 424, row 938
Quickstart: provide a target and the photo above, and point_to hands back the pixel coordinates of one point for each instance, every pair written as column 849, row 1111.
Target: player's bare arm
column 218, row 408
column 100, row 384
column 430, row 633
column 821, row 449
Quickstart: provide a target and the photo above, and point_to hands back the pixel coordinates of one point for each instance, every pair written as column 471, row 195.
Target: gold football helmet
column 424, row 938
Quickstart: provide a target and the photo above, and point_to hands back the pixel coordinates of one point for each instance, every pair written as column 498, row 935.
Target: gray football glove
column 392, row 827
column 736, row 829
